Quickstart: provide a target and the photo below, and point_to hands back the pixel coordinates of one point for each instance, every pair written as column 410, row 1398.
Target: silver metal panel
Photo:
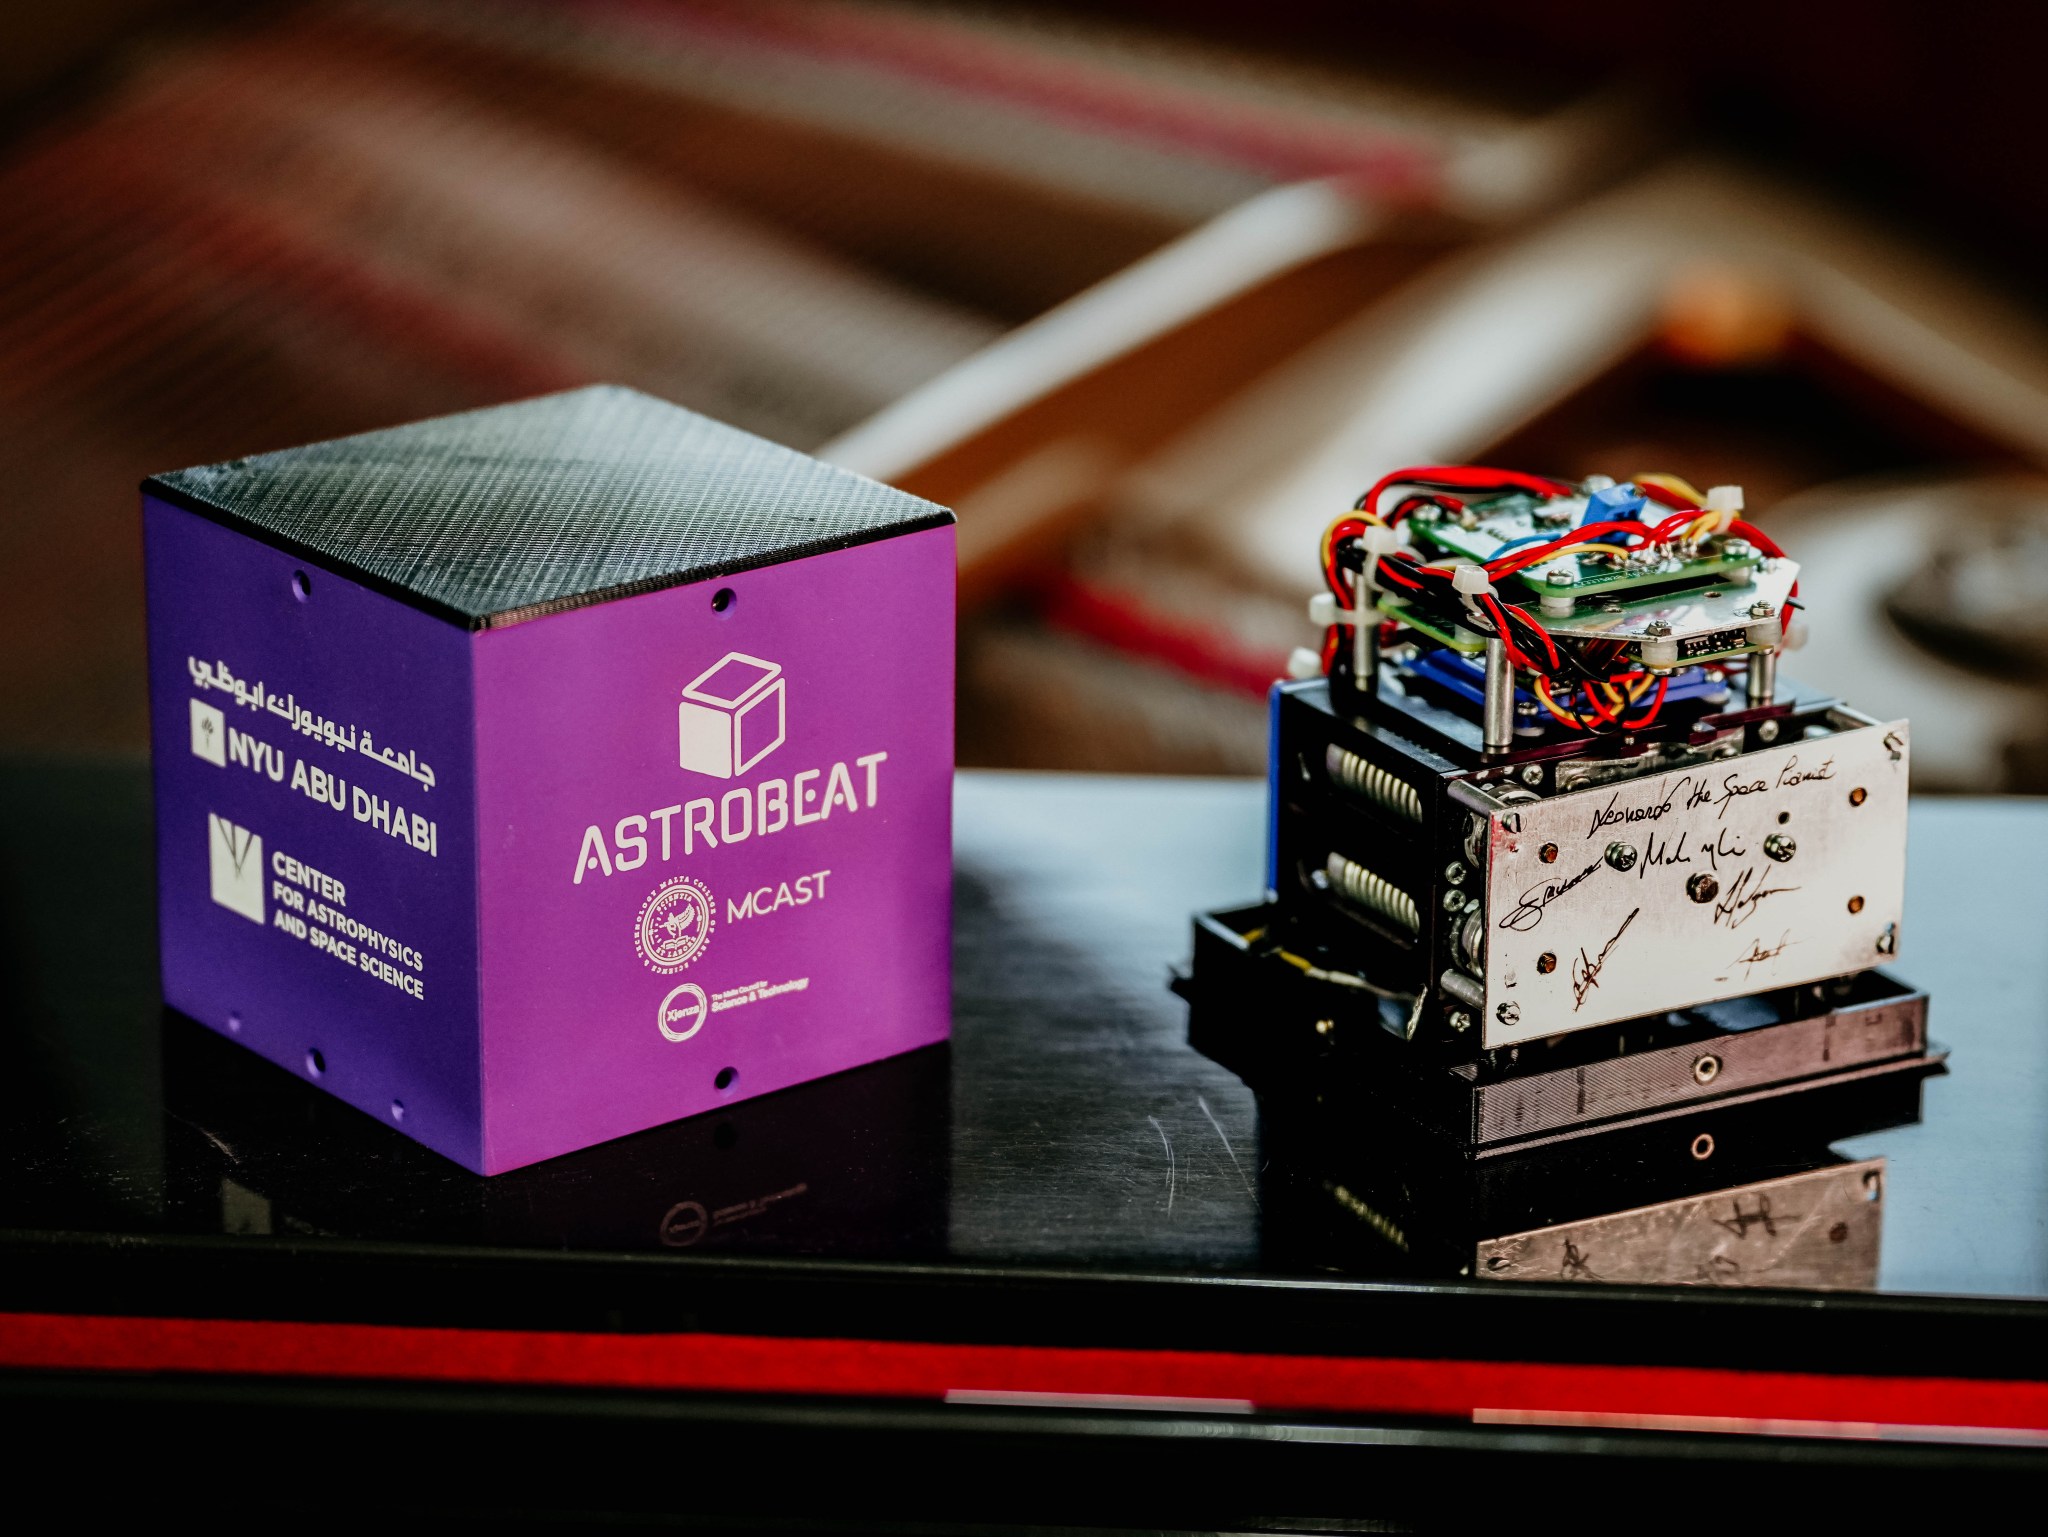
column 1711, row 1069
column 1819, row 1229
column 1659, row 893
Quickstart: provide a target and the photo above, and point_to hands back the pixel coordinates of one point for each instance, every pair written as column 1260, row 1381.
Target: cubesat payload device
column 1554, row 852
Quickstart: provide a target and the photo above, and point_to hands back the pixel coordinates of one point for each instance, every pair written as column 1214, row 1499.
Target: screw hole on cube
column 302, row 586
column 315, row 1063
column 234, row 1024
column 398, row 1110
column 727, row 1077
column 722, row 600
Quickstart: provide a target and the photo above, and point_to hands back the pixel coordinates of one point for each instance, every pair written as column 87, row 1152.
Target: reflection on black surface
column 1084, row 1133
column 1747, row 1196
column 854, row 1166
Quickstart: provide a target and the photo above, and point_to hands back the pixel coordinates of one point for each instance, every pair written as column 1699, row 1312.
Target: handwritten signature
column 1528, row 911
column 1743, row 1221
column 1672, row 850
column 1744, row 897
column 1700, row 791
column 1586, row 973
column 1757, row 954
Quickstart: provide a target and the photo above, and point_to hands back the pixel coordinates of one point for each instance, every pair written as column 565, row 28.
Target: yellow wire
column 1594, row 549
column 1543, row 694
column 1675, row 483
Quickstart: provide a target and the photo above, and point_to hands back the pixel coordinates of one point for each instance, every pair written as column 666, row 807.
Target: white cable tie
column 1470, row 578
column 1725, row 503
column 1377, row 541
column 1303, row 664
column 1322, row 609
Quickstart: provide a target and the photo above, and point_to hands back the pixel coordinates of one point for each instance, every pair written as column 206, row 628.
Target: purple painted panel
column 715, row 841
column 315, row 847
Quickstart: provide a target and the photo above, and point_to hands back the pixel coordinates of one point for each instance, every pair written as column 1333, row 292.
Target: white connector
column 1303, row 664
column 1471, row 580
column 1378, row 540
column 1725, row 503
column 1322, row 609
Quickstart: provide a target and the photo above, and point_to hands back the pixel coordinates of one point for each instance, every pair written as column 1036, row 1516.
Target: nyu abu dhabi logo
column 732, row 716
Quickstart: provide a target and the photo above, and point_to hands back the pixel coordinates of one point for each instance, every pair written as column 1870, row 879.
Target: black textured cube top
column 494, row 516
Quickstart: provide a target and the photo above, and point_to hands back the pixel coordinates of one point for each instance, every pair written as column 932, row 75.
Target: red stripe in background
column 1684, row 1397
column 1208, row 654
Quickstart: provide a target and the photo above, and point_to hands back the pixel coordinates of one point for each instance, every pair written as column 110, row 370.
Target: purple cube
column 537, row 775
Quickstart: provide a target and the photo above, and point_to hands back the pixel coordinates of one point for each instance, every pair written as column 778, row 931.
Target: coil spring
column 1375, row 893
column 1353, row 773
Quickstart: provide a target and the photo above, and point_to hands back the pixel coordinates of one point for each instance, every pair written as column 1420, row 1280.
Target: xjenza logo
column 732, row 716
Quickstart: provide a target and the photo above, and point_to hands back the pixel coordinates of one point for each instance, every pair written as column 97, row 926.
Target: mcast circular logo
column 682, row 1012
column 674, row 924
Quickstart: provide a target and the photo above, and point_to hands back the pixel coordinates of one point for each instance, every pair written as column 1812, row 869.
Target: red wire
column 1656, row 704
column 1520, row 560
column 1461, row 477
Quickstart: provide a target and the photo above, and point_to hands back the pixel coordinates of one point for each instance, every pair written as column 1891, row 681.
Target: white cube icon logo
column 209, row 733
column 731, row 716
column 235, row 861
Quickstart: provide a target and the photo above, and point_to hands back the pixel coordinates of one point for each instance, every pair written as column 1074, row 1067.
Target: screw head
column 1621, row 855
column 1780, row 846
column 1560, row 576
column 1706, row 1068
column 1533, row 774
column 1888, row 941
column 1455, row 873
column 1767, row 731
column 1460, row 1021
column 1657, row 627
column 1703, row 887
column 1761, row 609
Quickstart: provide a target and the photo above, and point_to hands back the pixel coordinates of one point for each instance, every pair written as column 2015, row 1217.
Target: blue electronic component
column 1615, row 504
column 1273, row 786
column 1467, row 679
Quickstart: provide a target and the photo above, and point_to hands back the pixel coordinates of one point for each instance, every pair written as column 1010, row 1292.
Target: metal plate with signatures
column 1816, row 1229
column 1779, row 867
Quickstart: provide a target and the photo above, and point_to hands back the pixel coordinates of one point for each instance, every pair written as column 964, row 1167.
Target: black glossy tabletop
column 1068, row 1125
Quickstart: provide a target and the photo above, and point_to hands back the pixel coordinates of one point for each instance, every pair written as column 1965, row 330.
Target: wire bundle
column 1572, row 671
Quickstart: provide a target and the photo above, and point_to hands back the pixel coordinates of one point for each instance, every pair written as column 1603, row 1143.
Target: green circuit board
column 1486, row 527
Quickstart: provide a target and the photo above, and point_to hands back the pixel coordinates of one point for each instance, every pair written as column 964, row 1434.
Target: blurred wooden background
column 1145, row 291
